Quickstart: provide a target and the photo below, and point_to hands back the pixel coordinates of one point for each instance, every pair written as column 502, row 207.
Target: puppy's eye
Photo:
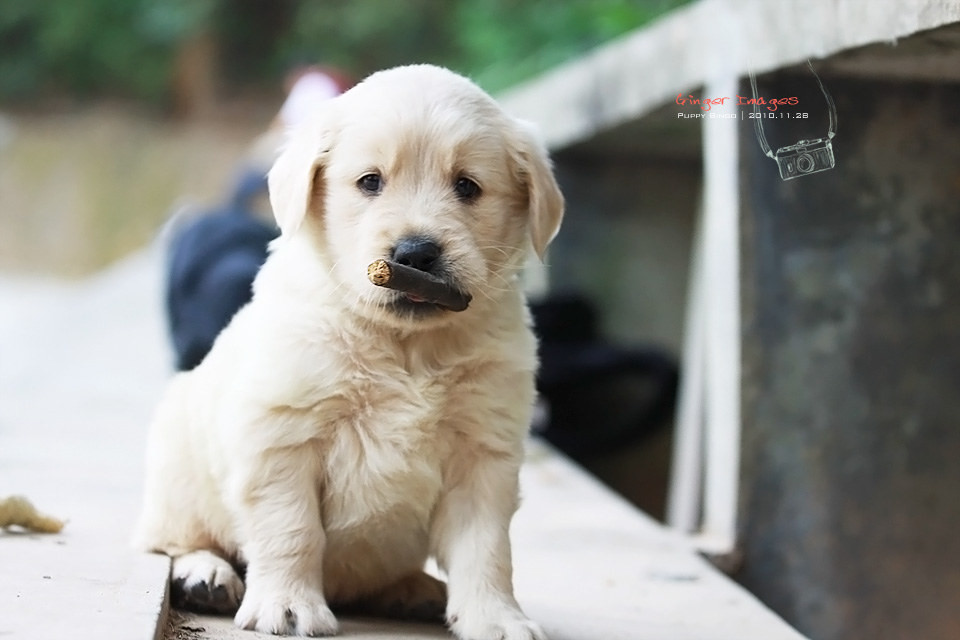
column 467, row 190
column 370, row 183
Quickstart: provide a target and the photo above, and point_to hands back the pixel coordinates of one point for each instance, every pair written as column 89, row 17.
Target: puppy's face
column 419, row 166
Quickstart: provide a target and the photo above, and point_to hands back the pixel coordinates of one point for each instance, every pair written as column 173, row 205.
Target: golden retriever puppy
column 339, row 434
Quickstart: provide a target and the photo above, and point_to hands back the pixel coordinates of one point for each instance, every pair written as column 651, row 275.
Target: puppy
column 339, row 434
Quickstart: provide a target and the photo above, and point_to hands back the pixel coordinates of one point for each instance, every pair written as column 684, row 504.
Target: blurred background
column 113, row 113
column 116, row 113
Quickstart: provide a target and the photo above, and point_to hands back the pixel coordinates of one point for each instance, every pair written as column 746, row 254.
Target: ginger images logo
column 806, row 156
column 706, row 104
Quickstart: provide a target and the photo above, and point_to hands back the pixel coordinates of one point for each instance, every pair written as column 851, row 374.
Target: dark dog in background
column 213, row 257
column 211, row 262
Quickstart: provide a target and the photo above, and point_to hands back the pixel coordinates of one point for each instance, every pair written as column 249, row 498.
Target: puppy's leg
column 204, row 582
column 279, row 513
column 470, row 535
column 417, row 596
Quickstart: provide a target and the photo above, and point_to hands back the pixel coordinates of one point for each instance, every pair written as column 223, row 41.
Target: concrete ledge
column 82, row 367
column 705, row 41
column 588, row 566
column 75, row 586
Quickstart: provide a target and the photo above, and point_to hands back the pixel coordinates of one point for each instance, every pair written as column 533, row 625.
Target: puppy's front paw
column 496, row 622
column 203, row 582
column 286, row 615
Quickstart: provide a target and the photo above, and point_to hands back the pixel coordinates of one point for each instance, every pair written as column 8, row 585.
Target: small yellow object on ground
column 17, row 511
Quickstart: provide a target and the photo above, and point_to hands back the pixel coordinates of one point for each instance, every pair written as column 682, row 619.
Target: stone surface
column 80, row 365
column 851, row 364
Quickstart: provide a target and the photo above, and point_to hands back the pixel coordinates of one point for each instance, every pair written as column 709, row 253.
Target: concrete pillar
column 851, row 380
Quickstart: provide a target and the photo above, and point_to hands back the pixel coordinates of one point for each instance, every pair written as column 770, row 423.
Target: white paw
column 496, row 622
column 286, row 614
column 205, row 582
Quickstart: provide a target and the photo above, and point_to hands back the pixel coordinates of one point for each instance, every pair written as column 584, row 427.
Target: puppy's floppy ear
column 545, row 201
column 292, row 180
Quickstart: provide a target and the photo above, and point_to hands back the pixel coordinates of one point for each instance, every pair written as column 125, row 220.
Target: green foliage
column 505, row 41
column 127, row 47
column 89, row 47
column 497, row 42
column 365, row 35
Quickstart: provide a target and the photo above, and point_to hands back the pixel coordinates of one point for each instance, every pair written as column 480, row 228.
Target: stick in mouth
column 417, row 284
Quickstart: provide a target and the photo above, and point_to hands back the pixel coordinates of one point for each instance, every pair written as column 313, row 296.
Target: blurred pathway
column 80, row 366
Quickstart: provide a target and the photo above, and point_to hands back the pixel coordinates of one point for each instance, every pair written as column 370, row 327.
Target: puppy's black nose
column 417, row 252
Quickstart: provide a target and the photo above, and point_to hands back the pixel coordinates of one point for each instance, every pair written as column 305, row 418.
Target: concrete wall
column 626, row 241
column 851, row 368
column 850, row 356
column 625, row 244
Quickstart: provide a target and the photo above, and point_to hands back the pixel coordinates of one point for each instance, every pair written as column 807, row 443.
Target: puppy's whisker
column 330, row 274
column 503, row 250
column 504, row 281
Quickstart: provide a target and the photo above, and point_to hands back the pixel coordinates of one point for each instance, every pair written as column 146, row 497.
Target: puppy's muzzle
column 422, row 253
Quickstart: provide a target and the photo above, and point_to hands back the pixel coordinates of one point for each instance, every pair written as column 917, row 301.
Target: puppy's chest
column 384, row 444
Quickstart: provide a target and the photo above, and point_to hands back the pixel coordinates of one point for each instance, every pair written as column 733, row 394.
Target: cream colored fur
column 332, row 444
